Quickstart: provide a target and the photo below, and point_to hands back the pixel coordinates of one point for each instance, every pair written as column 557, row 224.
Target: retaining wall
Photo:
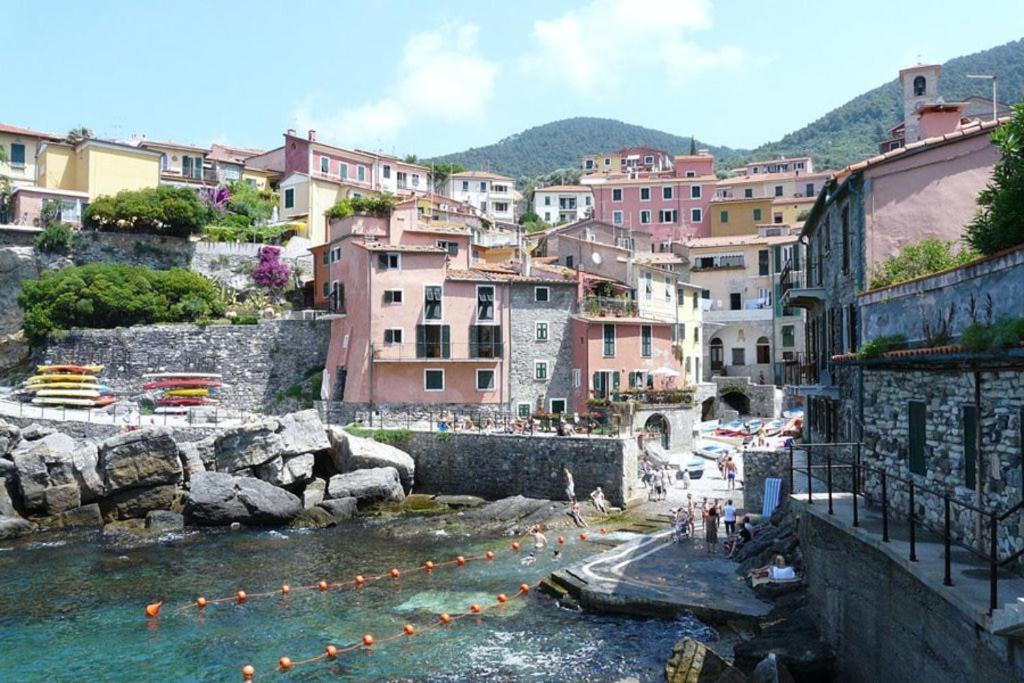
column 759, row 465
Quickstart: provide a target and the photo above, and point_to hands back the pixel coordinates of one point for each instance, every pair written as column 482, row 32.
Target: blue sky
column 435, row 77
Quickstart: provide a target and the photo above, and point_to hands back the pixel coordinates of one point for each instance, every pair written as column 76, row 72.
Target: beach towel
column 772, row 491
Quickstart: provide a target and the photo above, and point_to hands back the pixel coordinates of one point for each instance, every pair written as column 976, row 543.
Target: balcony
column 615, row 307
column 801, row 370
column 738, row 316
column 794, row 289
column 437, row 351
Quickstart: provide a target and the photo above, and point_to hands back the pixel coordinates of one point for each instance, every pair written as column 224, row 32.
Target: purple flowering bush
column 269, row 272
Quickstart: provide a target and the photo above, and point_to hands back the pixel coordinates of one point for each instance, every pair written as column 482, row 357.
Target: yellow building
column 791, row 210
column 739, row 216
column 689, row 324
column 307, row 199
column 601, row 163
column 258, row 177
column 96, row 167
column 21, row 145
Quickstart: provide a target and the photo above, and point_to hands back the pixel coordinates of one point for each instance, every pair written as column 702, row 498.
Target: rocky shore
column 280, row 471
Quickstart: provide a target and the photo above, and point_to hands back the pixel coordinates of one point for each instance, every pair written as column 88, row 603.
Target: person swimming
column 528, row 560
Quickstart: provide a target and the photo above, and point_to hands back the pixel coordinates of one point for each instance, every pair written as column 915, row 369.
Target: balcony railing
column 801, row 370
column 609, row 306
column 438, row 351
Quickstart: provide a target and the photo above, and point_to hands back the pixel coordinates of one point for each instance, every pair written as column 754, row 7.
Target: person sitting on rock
column 597, row 497
column 577, row 518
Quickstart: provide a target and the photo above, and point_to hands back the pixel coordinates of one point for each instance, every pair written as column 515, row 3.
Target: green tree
column 175, row 211
column 1000, row 221
column 441, row 172
column 255, row 204
column 916, row 260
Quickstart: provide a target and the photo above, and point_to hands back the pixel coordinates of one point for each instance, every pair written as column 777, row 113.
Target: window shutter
column 778, row 260
column 382, row 261
column 796, row 256
column 446, row 345
column 917, row 419
column 970, row 423
column 421, row 341
column 615, row 381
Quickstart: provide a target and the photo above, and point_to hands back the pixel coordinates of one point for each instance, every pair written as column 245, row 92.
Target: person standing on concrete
column 570, row 485
column 729, row 517
column 711, row 516
column 730, row 472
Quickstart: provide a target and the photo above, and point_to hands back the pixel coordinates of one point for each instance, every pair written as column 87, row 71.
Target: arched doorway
column 656, row 427
column 717, row 354
column 707, row 409
column 738, row 401
column 764, row 351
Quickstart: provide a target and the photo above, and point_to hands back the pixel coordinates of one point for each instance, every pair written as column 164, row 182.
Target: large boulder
column 84, row 516
column 7, row 508
column 137, row 503
column 85, row 463
column 10, row 435
column 286, row 472
column 314, row 493
column 377, row 485
column 302, row 432
column 247, row 446
column 36, row 431
column 145, row 457
column 160, row 521
column 218, row 498
column 191, row 458
column 351, row 453
column 14, row 526
column 695, row 662
column 340, row 508
column 46, row 474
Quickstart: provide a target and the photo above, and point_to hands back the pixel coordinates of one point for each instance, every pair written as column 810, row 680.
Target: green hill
column 842, row 136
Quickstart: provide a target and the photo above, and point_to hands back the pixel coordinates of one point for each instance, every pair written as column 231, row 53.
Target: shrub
column 916, row 260
column 1003, row 333
column 876, row 347
column 56, row 238
column 246, row 200
column 393, row 437
column 245, row 320
column 107, row 295
column 269, row 272
column 261, row 234
column 175, row 211
column 371, row 206
column 999, row 223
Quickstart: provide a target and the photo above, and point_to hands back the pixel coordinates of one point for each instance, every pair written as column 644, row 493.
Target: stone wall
column 499, row 465
column 759, row 465
column 885, row 624
column 98, row 432
column 257, row 361
column 765, row 399
column 557, row 350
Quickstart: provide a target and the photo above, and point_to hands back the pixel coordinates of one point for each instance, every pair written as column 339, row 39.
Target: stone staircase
column 1008, row 621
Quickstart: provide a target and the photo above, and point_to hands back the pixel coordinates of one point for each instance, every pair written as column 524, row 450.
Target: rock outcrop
column 351, row 453
column 694, row 662
column 218, row 498
column 376, row 485
column 340, row 508
column 46, row 474
column 146, row 457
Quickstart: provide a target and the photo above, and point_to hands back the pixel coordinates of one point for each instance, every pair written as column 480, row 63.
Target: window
column 547, row 216
column 691, row 174
column 590, row 164
column 716, row 352
column 667, row 216
column 343, row 171
column 485, row 341
column 389, row 260
column 483, row 207
column 289, row 198
column 617, row 194
column 483, row 186
column 763, row 258
column 577, row 378
column 541, row 293
column 739, row 356
column 748, row 193
column 917, row 416
column 696, row 216
column 777, row 218
column 723, row 216
column 617, row 217
column 327, row 289
column 401, row 180
column 558, row 405
column 666, row 192
column 485, row 302
column 735, row 303
column 607, row 161
column 920, row 86
column 433, row 380
column 757, row 214
column 696, row 334
column 845, row 228
column 17, row 154
column 325, row 165
column 547, row 200
column 361, row 174
column 433, row 341
column 415, row 179
column 809, row 190
column 568, row 261
column 668, row 289
column 465, row 186
column 970, row 431
column 387, row 171
column 645, row 341
column 393, row 336
column 645, row 216
column 541, row 329
column 645, row 194
column 695, row 192
column 764, row 351
column 609, row 340
column 586, row 200
column 484, row 380
column 524, row 409
column 451, row 247
column 778, row 190
column 696, row 303
column 648, row 286
column 648, row 160
column 327, row 256
column 540, row 370
column 851, row 324
column 392, row 296
column 788, row 336
column 432, row 308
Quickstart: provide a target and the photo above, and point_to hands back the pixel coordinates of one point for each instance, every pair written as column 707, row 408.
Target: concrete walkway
column 970, row 590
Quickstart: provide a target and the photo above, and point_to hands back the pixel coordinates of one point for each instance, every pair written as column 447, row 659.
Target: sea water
column 72, row 609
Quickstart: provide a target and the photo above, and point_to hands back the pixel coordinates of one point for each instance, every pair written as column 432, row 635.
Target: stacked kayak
column 177, row 392
column 77, row 386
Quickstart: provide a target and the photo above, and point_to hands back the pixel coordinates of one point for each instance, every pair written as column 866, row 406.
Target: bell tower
column 920, row 85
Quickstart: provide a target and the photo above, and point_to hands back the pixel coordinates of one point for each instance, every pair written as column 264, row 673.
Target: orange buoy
column 285, row 663
column 515, row 545
column 331, row 652
column 248, row 672
column 524, row 588
column 153, row 608
column 360, row 580
column 241, row 596
column 445, row 619
column 428, row 565
column 502, row 597
column 322, row 585
column 368, row 640
column 394, row 574
column 286, row 589
column 460, row 560
column 474, row 608
column 583, row 536
column 561, row 540
column 201, row 602
column 489, row 555
column 408, row 629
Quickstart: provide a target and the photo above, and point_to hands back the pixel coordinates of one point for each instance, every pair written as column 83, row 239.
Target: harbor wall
column 498, row 465
column 759, row 465
column 259, row 363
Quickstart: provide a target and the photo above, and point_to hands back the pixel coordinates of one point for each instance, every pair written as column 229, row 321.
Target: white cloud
column 602, row 44
column 442, row 77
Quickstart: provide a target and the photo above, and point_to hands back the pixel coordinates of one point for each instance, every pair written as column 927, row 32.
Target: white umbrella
column 664, row 372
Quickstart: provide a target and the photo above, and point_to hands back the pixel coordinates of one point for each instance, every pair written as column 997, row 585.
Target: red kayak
column 181, row 384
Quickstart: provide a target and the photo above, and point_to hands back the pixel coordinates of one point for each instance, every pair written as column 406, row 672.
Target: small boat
column 774, row 427
column 70, row 393
column 36, row 386
column 753, row 426
column 172, row 410
column 181, row 383
column 77, row 369
column 57, row 377
column 182, row 375
column 186, row 393
column 105, row 401
column 794, row 413
column 714, row 451
column 732, row 428
column 61, row 401
column 185, row 401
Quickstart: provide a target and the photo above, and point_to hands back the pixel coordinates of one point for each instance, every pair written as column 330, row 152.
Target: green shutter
column 796, row 256
column 970, row 426
column 776, row 296
column 421, row 341
column 778, row 259
column 446, row 341
column 615, row 381
column 917, row 419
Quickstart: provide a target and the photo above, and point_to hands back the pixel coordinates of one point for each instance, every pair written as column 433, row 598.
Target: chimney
column 291, row 131
column 312, row 135
column 527, row 265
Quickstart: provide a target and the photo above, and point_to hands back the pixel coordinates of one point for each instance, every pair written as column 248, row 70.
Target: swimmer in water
column 557, row 555
column 539, row 539
column 528, row 560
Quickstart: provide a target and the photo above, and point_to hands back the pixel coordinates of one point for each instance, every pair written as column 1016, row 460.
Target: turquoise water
column 71, row 609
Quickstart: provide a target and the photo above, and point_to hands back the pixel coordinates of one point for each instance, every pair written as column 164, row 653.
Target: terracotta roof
column 233, row 155
column 739, row 240
column 656, row 181
column 383, row 246
column 794, row 200
column 439, row 229
column 480, row 174
column 15, row 130
column 564, row 188
column 172, row 145
column 975, row 128
column 910, row 353
column 770, row 177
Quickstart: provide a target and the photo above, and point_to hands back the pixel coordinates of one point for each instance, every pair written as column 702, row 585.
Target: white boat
column 183, row 375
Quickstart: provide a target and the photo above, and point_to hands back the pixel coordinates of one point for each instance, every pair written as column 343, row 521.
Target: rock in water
column 161, row 521
column 137, row 503
column 377, row 485
column 46, row 474
column 14, row 526
column 217, row 498
column 85, row 516
column 247, row 446
column 314, row 493
column 340, row 508
column 282, row 472
column 146, row 457
column 302, row 432
column 770, row 670
column 694, row 662
column 7, row 508
column 351, row 453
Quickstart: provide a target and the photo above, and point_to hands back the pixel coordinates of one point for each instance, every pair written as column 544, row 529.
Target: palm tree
column 76, row 135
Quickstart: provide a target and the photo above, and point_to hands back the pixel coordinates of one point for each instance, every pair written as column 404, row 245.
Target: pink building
column 27, row 205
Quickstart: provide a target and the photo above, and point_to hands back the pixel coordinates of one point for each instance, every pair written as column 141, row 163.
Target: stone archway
column 657, row 427
column 707, row 409
column 738, row 401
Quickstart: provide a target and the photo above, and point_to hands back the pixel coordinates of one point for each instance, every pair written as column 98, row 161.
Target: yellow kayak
column 70, row 368
column 61, row 378
column 36, row 386
column 72, row 393
column 187, row 392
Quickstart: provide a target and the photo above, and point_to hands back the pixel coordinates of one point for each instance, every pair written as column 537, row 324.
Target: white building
column 398, row 177
column 563, row 203
column 490, row 193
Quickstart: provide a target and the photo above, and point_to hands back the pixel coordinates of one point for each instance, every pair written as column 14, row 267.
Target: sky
column 427, row 78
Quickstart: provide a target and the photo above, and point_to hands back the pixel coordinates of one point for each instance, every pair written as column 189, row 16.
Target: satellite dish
column 596, row 258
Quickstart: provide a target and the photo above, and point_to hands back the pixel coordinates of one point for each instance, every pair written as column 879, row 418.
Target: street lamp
column 995, row 103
